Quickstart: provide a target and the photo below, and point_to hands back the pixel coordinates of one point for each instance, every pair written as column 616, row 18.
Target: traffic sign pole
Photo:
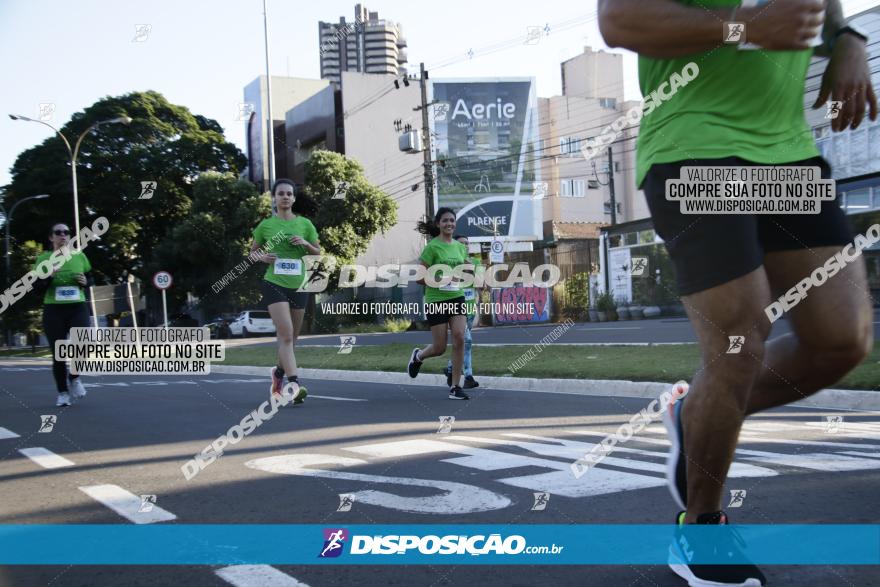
column 162, row 280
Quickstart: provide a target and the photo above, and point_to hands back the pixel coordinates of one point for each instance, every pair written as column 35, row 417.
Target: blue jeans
column 467, row 368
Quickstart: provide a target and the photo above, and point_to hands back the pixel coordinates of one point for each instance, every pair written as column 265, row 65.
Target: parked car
column 219, row 327
column 252, row 322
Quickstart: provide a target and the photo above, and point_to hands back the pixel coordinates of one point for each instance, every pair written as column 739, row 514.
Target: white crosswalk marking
column 45, row 457
column 257, row 576
column 126, row 504
column 7, row 433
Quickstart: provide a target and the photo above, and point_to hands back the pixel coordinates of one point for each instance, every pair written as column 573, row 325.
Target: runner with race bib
column 64, row 307
column 446, row 307
column 281, row 242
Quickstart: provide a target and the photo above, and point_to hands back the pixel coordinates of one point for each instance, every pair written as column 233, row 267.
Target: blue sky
column 201, row 53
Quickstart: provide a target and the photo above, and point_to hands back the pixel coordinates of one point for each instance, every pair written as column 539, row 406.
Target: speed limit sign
column 162, row 280
column 496, row 252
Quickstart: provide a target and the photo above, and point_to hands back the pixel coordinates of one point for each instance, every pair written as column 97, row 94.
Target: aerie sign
column 484, row 111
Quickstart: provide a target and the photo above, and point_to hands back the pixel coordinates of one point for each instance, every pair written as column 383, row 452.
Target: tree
column 346, row 225
column 213, row 240
column 165, row 143
column 25, row 316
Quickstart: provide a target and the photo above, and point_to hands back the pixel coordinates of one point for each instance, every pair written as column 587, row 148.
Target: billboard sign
column 484, row 134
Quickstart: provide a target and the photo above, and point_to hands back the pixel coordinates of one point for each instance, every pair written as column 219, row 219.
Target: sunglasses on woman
column 62, row 232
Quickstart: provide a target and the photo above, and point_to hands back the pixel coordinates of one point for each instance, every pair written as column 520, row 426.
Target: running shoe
column 303, row 392
column 676, row 460
column 448, row 372
column 293, row 391
column 414, row 364
column 277, row 382
column 455, row 392
column 683, row 550
column 77, row 389
column 470, row 382
column 63, row 399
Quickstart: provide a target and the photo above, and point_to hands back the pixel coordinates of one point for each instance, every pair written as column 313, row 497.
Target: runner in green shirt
column 64, row 307
column 445, row 306
column 281, row 242
column 743, row 106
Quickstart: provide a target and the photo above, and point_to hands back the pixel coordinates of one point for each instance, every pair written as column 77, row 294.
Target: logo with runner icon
column 334, row 541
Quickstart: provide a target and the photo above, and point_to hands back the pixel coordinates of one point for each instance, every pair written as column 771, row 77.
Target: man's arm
column 834, row 21
column 666, row 29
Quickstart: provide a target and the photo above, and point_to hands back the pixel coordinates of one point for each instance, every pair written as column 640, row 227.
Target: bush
column 605, row 303
column 396, row 324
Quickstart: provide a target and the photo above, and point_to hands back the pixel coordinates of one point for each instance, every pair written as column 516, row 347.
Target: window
column 572, row 188
column 610, row 103
column 858, row 199
column 570, row 146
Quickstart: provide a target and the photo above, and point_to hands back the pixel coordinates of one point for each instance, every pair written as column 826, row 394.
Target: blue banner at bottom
column 227, row 544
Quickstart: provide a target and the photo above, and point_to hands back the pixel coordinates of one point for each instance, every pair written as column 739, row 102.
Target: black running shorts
column 711, row 249
column 441, row 312
column 272, row 294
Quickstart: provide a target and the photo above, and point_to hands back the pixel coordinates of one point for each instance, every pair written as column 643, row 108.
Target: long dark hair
column 432, row 227
column 303, row 204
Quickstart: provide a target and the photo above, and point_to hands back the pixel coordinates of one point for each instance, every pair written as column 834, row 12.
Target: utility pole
column 426, row 133
column 611, row 188
column 270, row 131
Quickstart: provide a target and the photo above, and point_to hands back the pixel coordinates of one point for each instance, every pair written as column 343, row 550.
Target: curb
column 832, row 399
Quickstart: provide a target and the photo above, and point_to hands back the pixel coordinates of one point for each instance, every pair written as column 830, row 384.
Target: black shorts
column 272, row 294
column 441, row 312
column 711, row 249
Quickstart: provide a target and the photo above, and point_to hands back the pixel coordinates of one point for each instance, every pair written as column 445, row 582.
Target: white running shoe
column 63, row 399
column 77, row 389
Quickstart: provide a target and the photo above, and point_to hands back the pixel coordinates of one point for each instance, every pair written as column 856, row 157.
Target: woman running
column 64, row 307
column 281, row 241
column 445, row 306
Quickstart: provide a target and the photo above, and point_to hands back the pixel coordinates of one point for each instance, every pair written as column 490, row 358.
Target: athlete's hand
column 783, row 25
column 848, row 79
column 298, row 240
column 266, row 257
column 81, row 279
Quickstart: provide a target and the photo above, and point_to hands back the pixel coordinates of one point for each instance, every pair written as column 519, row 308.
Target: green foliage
column 213, row 240
column 605, row 302
column 25, row 316
column 165, row 143
column 577, row 290
column 346, row 226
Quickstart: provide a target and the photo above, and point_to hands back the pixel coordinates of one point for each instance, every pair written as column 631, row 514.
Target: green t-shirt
column 63, row 286
column 274, row 235
column 742, row 103
column 453, row 254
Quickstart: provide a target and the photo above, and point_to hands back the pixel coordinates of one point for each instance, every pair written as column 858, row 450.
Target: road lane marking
column 340, row 399
column 7, row 433
column 126, row 504
column 449, row 497
column 45, row 457
column 257, row 576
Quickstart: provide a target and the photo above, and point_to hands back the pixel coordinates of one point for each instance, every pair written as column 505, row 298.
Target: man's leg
column 716, row 403
column 832, row 329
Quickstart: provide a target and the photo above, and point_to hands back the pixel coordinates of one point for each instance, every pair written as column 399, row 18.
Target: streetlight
column 74, row 152
column 8, row 255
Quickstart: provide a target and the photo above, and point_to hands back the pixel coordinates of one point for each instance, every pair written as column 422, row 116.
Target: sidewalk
column 832, row 399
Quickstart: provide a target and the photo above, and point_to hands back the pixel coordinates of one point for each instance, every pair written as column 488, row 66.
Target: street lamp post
column 8, row 250
column 74, row 152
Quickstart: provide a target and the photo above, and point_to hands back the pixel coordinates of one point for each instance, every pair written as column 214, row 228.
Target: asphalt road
column 136, row 432
column 660, row 330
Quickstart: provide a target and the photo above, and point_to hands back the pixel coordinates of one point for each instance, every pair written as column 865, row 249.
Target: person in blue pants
column 470, row 296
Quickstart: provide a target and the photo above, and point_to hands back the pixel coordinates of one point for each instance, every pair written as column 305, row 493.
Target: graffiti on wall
column 521, row 303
